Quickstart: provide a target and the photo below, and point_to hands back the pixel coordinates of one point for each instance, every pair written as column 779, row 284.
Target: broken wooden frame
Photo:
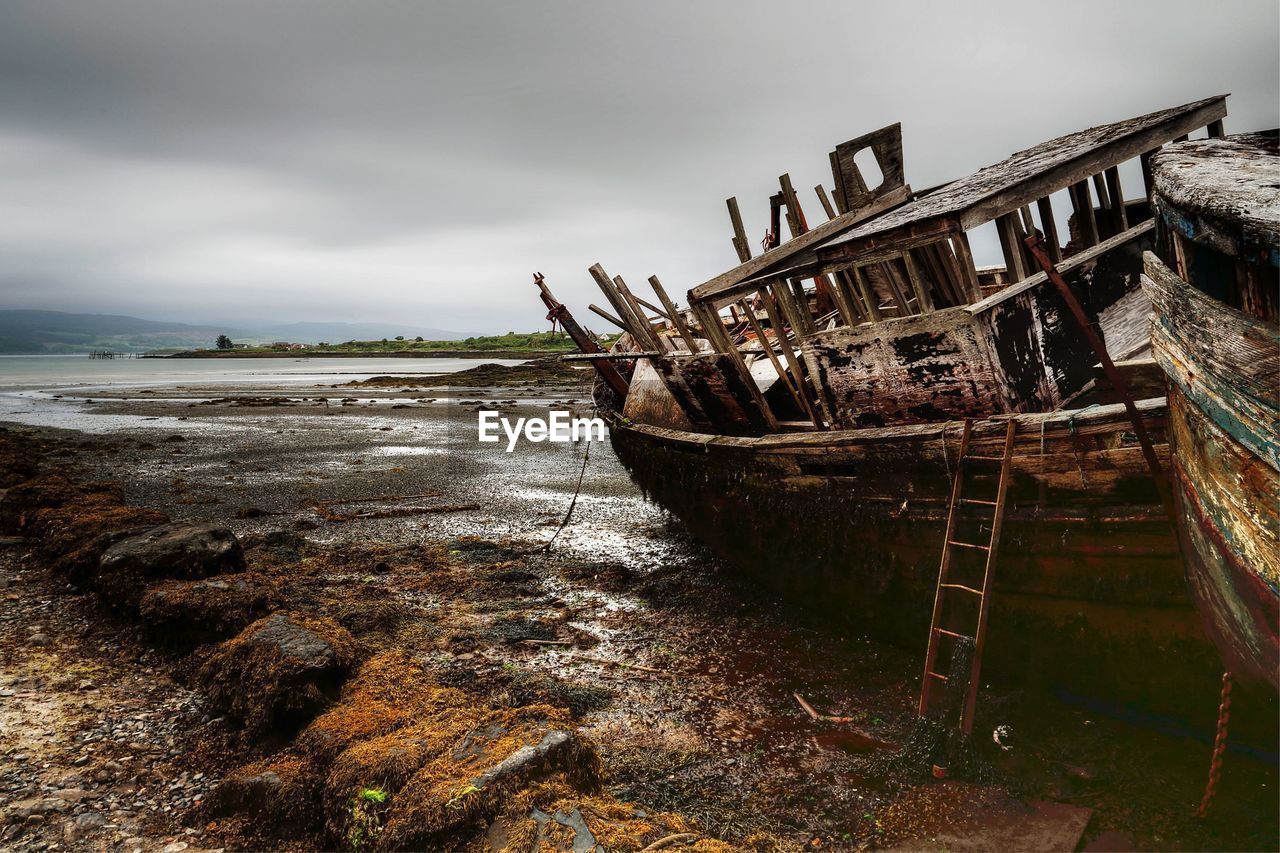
column 886, row 256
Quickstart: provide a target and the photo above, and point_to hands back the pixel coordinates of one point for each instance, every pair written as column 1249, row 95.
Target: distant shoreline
column 443, row 353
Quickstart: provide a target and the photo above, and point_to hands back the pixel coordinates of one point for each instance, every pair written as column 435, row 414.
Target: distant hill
column 27, row 331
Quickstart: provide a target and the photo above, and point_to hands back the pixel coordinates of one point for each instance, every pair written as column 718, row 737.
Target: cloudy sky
column 415, row 162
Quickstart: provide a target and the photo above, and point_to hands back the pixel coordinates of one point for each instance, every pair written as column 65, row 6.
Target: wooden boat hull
column 850, row 523
column 1223, row 413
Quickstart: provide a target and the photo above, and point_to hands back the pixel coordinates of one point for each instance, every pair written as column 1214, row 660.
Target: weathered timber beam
column 772, row 307
column 1092, row 162
column 606, row 315
column 1119, row 219
column 740, row 244
column 795, row 216
column 825, row 201
column 767, row 346
column 674, row 313
column 1082, row 204
column 1050, row 228
column 621, row 307
column 1014, row 262
column 722, row 286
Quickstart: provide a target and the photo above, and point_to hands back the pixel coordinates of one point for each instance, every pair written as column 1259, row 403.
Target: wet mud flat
column 390, row 536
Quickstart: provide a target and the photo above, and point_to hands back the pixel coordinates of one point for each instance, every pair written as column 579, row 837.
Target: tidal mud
column 435, row 678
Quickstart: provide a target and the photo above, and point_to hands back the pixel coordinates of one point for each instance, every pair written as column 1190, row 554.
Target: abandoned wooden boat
column 1214, row 284
column 813, row 435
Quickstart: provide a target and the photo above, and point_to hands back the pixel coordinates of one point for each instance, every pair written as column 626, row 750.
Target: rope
column 577, row 490
column 1219, row 747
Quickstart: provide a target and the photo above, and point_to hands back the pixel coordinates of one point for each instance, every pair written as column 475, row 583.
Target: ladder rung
column 984, row 459
column 938, row 676
column 968, row 545
column 953, row 634
column 976, row 592
column 978, row 502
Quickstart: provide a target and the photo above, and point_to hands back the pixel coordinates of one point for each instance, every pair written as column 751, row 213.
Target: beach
column 714, row 712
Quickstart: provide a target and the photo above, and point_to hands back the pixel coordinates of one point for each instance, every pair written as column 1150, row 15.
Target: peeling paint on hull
column 1223, row 415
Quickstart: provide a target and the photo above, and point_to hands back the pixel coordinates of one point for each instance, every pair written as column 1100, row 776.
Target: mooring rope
column 586, row 455
column 1219, row 747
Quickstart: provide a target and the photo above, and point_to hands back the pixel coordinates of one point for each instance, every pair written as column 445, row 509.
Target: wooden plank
column 868, row 295
column 1119, row 219
column 1182, row 120
column 1100, row 189
column 921, row 288
column 1082, row 204
column 638, row 311
column 767, row 346
column 673, row 312
column 713, row 328
column 825, row 201
column 740, row 244
column 722, row 286
column 1049, row 226
column 964, row 257
column 1215, row 129
column 612, row 319
column 620, row 306
column 1010, row 244
column 795, row 216
column 774, row 307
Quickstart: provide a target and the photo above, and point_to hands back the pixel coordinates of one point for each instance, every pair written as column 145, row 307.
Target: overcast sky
column 415, row 162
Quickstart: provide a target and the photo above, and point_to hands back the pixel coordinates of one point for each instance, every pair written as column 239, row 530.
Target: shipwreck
column 863, row 418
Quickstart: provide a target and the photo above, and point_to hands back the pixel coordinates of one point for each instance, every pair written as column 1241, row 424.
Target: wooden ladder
column 946, row 586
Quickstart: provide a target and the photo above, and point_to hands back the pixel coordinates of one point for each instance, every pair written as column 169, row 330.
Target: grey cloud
column 416, row 161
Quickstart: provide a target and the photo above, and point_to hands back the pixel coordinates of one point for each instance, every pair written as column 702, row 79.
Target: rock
column 82, row 825
column 175, row 847
column 283, row 793
column 207, row 610
column 178, row 550
column 72, row 795
column 280, row 671
column 39, row 640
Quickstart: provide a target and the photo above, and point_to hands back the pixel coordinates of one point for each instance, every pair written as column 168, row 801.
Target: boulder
column 177, row 550
column 280, row 671
column 281, row 794
column 188, row 613
column 470, row 783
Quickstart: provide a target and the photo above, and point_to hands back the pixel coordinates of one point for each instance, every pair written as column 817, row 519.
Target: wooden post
column 773, row 357
column 923, row 300
column 1215, row 129
column 714, row 331
column 581, row 339
column 1119, row 219
column 620, row 306
column 1083, row 206
column 795, row 216
column 676, row 318
column 964, row 257
column 1014, row 263
column 868, row 295
column 780, row 334
column 641, row 317
column 612, row 319
column 825, row 201
column 1050, row 228
column 740, row 244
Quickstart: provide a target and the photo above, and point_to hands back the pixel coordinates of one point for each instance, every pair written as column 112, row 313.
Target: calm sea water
column 49, row 372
